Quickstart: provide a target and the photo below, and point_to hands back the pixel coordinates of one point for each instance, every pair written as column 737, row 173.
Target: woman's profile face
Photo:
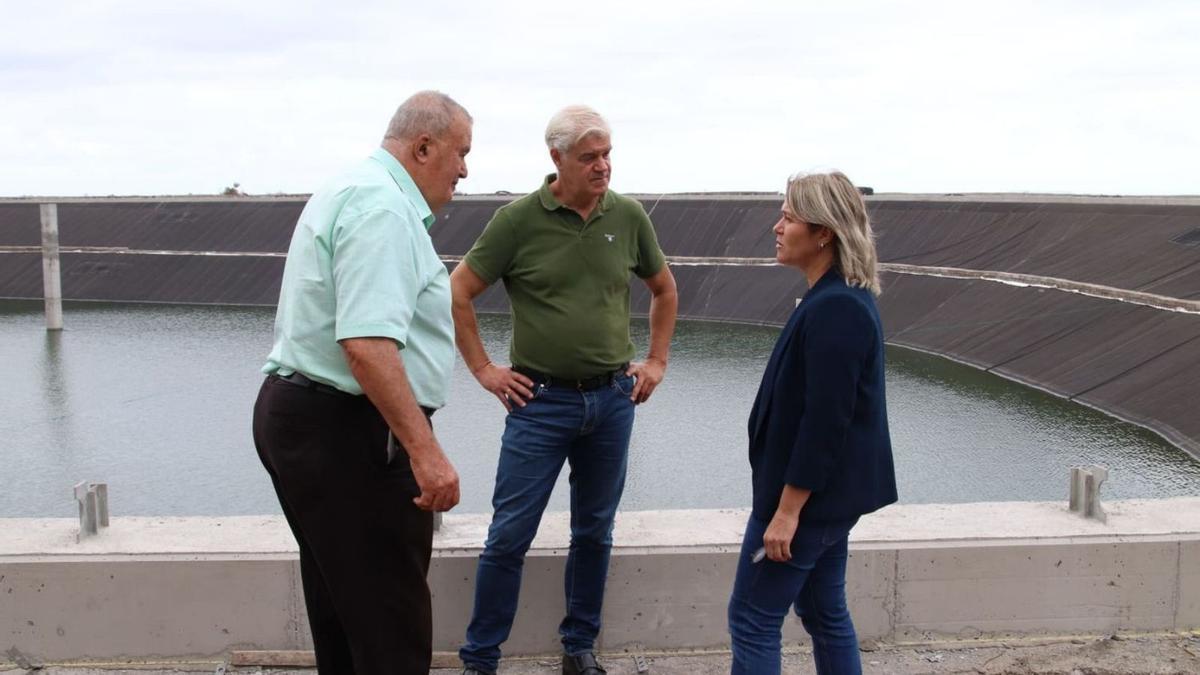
column 796, row 244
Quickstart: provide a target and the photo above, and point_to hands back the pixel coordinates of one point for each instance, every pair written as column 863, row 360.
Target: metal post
column 51, row 270
column 1085, row 491
column 102, row 504
column 1092, row 482
column 93, row 507
column 87, row 508
column 1076, row 501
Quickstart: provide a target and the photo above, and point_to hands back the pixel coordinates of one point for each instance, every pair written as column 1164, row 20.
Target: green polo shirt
column 361, row 264
column 568, row 280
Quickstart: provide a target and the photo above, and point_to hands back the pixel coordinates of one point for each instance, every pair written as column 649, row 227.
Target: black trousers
column 364, row 546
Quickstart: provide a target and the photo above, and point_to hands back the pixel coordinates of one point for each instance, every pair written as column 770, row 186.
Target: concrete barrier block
column 679, row 600
column 1031, row 588
column 198, row 587
column 539, row 609
column 871, row 590
column 1187, row 615
column 138, row 608
column 870, row 594
column 669, row 600
column 297, row 613
column 452, row 585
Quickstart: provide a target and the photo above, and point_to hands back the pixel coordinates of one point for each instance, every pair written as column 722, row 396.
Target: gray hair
column 572, row 124
column 830, row 199
column 425, row 112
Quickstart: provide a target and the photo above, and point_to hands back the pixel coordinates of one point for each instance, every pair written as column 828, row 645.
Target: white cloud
column 139, row 97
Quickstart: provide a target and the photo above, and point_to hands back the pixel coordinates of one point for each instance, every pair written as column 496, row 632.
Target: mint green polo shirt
column 361, row 264
column 568, row 280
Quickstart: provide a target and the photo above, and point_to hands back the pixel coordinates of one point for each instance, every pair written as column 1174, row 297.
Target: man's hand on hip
column 505, row 384
column 438, row 481
column 648, row 374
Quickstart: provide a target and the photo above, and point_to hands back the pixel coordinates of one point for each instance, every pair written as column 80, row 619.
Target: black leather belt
column 582, row 384
column 300, row 380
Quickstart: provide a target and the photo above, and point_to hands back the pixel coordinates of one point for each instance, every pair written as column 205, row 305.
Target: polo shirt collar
column 551, row 203
column 405, row 183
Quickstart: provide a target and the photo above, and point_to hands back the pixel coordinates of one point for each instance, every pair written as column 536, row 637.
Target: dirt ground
column 1160, row 654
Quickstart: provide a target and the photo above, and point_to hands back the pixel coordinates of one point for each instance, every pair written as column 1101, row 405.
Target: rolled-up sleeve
column 838, row 338
column 375, row 275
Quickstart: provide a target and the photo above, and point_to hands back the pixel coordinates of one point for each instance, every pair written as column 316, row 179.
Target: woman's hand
column 777, row 540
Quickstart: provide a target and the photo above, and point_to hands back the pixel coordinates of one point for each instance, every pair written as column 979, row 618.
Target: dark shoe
column 472, row 670
column 581, row 664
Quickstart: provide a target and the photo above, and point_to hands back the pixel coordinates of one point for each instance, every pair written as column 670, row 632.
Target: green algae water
column 155, row 400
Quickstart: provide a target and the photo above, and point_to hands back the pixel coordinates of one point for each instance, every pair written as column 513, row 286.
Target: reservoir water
column 156, row 401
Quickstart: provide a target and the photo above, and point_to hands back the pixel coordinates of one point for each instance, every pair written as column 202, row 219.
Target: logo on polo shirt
column 609, row 237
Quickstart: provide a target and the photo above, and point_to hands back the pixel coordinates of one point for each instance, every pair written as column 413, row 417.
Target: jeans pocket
column 623, row 384
column 538, row 390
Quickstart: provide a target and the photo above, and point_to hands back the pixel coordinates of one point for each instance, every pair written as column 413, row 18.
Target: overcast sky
column 141, row 97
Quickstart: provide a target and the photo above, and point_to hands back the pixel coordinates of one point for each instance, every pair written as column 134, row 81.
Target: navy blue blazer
column 820, row 418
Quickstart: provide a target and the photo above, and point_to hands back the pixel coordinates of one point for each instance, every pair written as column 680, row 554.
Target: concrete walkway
column 1160, row 654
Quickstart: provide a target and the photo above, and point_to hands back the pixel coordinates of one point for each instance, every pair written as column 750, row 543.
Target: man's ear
column 556, row 157
column 420, row 148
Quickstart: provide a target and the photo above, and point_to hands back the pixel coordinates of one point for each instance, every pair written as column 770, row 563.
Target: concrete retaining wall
column 194, row 587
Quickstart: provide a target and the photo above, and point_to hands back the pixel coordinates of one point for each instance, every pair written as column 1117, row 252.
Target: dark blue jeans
column 813, row 581
column 590, row 430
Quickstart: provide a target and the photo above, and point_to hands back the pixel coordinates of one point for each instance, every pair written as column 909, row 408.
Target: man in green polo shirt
column 565, row 254
column 364, row 345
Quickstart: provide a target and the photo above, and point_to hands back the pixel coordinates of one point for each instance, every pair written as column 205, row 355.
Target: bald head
column 428, row 113
column 430, row 135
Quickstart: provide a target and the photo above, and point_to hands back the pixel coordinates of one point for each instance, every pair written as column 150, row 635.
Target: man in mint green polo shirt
column 566, row 254
column 364, row 345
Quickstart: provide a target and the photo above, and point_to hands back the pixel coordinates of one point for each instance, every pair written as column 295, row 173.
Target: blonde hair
column 572, row 124
column 831, row 200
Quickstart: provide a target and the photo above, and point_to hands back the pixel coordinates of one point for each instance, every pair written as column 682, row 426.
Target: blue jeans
column 814, row 581
column 590, row 430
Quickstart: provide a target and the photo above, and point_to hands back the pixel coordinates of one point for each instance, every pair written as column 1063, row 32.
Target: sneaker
column 472, row 670
column 581, row 664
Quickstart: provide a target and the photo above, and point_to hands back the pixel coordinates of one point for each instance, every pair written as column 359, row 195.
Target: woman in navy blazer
column 820, row 451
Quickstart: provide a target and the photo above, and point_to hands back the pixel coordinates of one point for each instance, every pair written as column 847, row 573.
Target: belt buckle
column 593, row 382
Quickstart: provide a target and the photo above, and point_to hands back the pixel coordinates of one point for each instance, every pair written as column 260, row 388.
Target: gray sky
column 157, row 97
